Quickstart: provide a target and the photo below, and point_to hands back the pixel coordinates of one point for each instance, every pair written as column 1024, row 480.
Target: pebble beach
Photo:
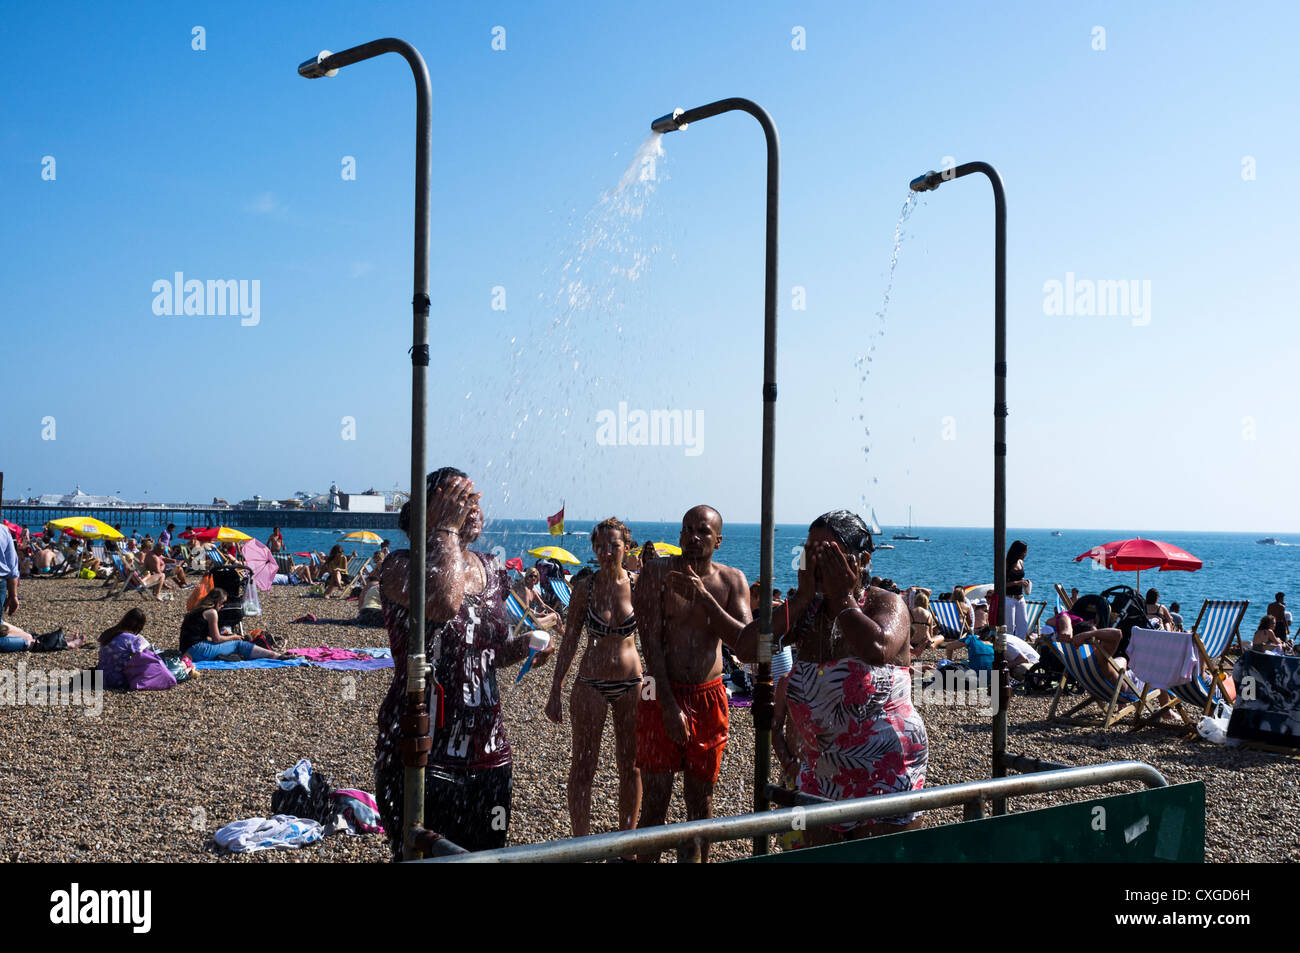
column 154, row 774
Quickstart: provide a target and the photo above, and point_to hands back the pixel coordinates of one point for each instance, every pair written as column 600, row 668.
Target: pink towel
column 324, row 653
column 1163, row 659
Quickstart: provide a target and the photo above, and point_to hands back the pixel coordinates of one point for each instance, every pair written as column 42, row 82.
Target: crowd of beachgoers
column 668, row 649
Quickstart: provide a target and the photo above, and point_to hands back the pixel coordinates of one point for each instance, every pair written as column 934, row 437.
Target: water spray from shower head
column 669, row 123
column 926, row 183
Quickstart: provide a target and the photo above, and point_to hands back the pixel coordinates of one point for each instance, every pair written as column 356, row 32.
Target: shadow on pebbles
column 153, row 774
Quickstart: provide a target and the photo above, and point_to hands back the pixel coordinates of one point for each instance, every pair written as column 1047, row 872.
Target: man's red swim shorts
column 705, row 707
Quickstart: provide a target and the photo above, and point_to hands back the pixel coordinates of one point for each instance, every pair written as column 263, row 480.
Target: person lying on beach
column 14, row 639
column 688, row 605
column 203, row 641
column 608, row 682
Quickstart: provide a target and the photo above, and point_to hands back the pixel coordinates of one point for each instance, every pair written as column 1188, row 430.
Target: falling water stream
column 575, row 350
column 863, row 363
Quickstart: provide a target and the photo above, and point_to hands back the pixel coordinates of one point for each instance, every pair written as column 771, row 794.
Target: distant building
column 78, row 498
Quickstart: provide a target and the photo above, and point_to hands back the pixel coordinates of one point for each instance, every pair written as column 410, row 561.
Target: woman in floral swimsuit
column 849, row 694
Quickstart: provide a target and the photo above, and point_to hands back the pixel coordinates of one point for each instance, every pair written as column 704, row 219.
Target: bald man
column 686, row 607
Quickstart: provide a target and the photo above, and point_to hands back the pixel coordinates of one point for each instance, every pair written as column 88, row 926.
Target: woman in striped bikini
column 609, row 679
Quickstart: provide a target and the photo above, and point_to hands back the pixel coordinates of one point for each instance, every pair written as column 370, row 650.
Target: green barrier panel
column 1156, row 825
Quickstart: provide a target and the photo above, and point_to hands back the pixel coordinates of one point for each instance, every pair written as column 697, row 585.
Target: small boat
column 1267, row 541
column 909, row 535
column 1056, row 532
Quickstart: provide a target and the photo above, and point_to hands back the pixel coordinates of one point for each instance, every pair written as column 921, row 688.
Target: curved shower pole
column 415, row 742
column 762, row 706
column 927, row 183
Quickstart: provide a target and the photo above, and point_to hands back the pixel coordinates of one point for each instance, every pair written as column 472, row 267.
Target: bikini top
column 599, row 629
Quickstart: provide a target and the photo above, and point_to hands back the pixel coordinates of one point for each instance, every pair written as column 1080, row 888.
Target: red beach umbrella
column 14, row 528
column 516, row 564
column 1137, row 554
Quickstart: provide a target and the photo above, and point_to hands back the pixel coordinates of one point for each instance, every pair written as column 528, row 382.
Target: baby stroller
column 1118, row 606
column 233, row 582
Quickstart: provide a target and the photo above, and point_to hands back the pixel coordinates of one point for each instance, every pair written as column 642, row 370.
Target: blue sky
column 1163, row 158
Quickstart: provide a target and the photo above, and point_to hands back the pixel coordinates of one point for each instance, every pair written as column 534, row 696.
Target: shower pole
column 414, row 724
column 927, row 183
column 762, row 706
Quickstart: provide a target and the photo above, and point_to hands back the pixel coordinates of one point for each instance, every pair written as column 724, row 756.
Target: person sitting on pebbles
column 203, row 641
column 14, row 639
column 1266, row 639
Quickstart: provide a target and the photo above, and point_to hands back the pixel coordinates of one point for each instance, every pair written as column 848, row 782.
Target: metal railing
column 970, row 795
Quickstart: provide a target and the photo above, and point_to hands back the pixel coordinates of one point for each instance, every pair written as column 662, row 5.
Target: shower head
column 926, row 183
column 669, row 123
column 313, row 68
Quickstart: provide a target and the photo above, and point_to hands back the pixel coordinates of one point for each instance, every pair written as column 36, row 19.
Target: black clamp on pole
column 769, row 392
column 419, row 355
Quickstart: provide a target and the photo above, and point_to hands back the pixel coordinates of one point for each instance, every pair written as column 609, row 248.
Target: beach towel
column 358, row 810
column 355, row 665
column 252, row 663
column 325, row 653
column 1163, row 659
column 281, row 832
column 1268, row 699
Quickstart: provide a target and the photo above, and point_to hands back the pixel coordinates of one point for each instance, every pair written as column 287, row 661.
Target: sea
column 1235, row 565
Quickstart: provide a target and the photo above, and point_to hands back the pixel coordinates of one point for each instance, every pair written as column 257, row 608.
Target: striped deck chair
column 1084, row 664
column 562, row 591
column 521, row 616
column 1035, row 614
column 356, row 566
column 1218, row 621
column 948, row 615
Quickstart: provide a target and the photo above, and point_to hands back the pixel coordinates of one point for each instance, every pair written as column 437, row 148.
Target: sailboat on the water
column 876, row 531
column 909, row 535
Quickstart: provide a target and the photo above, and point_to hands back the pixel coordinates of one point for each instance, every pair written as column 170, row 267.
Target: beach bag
column 50, row 642
column 252, row 604
column 202, row 589
column 180, row 666
column 147, row 672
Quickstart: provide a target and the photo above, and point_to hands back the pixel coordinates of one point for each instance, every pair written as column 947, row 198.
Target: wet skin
column 688, row 606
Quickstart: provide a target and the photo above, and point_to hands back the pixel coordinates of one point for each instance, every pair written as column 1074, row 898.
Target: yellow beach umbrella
column 664, row 549
column 555, row 552
column 363, row 536
column 227, row 535
column 86, row 527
